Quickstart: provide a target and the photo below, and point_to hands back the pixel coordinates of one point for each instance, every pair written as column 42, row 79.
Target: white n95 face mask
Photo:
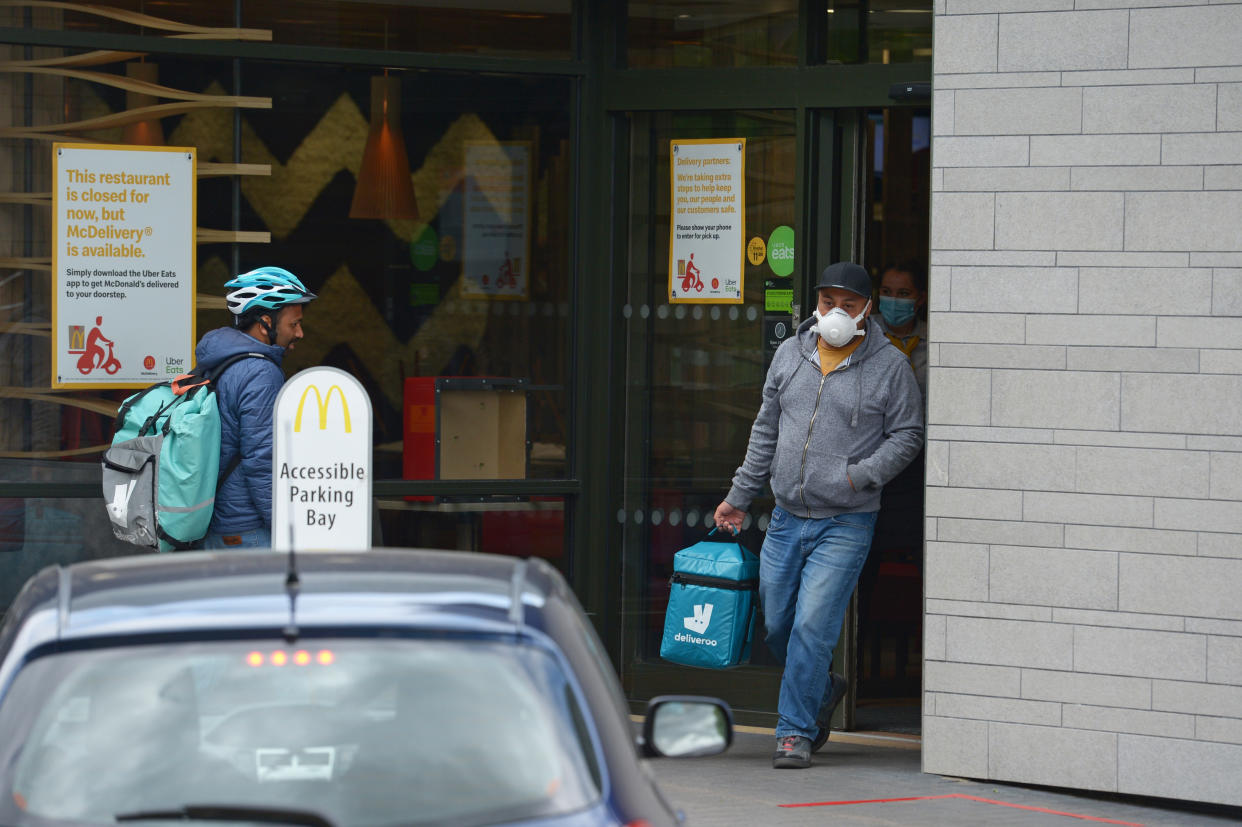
column 837, row 328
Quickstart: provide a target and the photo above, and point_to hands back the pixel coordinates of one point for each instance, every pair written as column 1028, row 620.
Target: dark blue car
column 378, row 688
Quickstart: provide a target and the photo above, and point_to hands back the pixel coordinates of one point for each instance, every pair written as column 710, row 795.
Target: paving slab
column 876, row 780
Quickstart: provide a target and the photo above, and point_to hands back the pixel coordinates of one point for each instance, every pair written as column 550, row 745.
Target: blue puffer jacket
column 246, row 395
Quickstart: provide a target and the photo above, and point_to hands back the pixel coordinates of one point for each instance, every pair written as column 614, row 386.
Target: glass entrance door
column 887, row 647
column 694, row 372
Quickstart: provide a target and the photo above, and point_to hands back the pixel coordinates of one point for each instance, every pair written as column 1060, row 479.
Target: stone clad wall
column 1084, row 500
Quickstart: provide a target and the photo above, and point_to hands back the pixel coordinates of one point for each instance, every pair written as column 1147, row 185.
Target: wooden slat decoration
column 206, row 236
column 72, row 139
column 24, row 263
column 208, row 169
column 143, row 87
column 95, row 58
column 28, row 328
column 88, row 403
column 205, row 302
column 38, row 199
column 142, row 113
column 73, row 452
column 145, row 20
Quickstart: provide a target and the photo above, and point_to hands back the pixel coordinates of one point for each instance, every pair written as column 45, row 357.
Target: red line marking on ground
column 1044, row 810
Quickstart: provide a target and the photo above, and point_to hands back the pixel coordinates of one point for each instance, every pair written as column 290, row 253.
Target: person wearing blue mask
column 903, row 295
column 899, row 525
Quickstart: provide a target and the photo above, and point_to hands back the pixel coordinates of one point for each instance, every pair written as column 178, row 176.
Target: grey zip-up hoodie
column 828, row 444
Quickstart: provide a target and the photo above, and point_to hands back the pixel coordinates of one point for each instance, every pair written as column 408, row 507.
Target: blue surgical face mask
column 897, row 312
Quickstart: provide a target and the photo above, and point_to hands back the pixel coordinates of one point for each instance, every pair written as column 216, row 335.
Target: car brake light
column 302, row 657
column 642, row 822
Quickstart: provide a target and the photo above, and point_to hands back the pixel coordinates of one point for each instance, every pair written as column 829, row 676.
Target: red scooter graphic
column 98, row 352
column 506, row 277
column 691, row 278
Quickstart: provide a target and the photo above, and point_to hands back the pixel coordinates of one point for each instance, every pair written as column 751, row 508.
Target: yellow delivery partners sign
column 321, row 463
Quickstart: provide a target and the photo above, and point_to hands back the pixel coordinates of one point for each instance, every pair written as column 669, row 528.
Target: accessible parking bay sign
column 321, row 463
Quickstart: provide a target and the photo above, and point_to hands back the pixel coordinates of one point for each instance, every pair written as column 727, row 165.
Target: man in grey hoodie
column 841, row 415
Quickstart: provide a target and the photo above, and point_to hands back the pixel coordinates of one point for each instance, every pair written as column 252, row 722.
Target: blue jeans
column 256, row 538
column 807, row 572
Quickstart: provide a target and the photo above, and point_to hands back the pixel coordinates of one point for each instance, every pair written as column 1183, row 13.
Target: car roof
column 205, row 592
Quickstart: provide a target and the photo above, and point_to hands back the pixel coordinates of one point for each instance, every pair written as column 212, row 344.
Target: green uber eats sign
column 781, row 250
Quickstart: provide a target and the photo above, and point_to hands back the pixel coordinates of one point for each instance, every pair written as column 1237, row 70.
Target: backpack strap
column 178, row 545
column 129, row 403
column 212, row 377
column 228, row 469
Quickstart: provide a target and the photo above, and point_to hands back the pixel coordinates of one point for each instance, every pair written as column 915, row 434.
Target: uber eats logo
column 697, row 624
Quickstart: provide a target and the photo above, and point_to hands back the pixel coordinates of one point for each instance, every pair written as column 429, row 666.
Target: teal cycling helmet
column 265, row 288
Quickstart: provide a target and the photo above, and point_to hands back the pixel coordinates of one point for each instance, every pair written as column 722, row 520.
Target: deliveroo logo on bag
column 702, row 616
column 698, row 625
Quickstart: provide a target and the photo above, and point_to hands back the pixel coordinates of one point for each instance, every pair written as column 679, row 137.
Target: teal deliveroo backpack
column 712, row 602
column 161, row 475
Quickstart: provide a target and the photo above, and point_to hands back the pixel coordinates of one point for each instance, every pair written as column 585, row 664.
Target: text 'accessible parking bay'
column 321, row 463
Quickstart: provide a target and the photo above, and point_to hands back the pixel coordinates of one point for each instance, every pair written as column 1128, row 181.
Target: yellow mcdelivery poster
column 123, row 277
column 707, row 226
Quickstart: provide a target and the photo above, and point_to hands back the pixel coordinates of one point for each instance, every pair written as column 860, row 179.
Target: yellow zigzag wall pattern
column 345, row 313
column 335, row 143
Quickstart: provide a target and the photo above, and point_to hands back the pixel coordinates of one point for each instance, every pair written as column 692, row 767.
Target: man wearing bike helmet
column 267, row 321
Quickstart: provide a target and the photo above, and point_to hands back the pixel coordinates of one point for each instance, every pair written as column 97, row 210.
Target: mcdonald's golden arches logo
column 321, row 402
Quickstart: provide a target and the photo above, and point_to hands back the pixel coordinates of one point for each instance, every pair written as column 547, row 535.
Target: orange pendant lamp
column 384, row 187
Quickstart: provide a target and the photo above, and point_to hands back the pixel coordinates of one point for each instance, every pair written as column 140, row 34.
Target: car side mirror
column 685, row 726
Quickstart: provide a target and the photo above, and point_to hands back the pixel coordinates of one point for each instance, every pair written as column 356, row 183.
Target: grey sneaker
column 824, row 719
column 793, row 752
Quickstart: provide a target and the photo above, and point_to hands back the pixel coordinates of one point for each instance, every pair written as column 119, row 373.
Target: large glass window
column 513, row 28
column 877, row 31
column 475, row 286
column 526, row 28
column 453, row 310
column 712, row 33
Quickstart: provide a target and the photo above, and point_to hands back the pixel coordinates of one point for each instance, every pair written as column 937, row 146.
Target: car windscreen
column 367, row 732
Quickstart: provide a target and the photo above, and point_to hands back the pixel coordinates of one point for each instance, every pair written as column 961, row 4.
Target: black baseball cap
column 848, row 276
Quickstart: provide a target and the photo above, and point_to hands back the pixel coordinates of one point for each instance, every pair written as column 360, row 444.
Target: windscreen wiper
column 224, row 812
